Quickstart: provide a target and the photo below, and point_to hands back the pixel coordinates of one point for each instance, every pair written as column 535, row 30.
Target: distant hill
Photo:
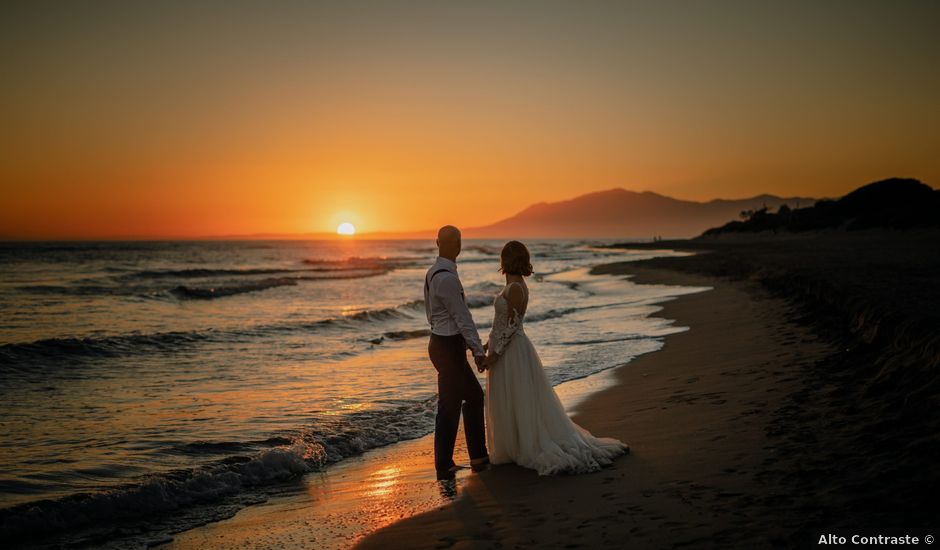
column 897, row 203
column 622, row 213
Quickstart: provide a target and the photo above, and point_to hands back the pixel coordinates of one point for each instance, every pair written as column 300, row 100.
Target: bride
column 526, row 422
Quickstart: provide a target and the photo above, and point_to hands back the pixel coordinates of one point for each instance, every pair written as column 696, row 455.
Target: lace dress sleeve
column 502, row 334
column 506, row 325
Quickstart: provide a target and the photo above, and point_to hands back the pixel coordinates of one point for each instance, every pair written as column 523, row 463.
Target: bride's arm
column 515, row 297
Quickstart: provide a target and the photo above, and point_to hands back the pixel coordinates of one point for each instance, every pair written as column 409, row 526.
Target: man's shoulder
column 440, row 266
column 440, row 273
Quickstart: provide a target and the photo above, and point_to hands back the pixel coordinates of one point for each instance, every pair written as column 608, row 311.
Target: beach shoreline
column 340, row 505
column 745, row 430
column 337, row 507
column 698, row 415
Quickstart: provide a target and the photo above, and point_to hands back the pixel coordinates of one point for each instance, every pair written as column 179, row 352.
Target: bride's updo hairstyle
column 515, row 259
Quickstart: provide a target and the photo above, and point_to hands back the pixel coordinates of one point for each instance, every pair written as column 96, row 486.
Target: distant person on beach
column 452, row 333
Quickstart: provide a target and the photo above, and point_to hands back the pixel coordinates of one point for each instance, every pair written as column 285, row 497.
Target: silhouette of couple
column 519, row 418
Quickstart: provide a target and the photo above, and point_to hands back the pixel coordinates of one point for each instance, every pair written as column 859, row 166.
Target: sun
column 346, row 228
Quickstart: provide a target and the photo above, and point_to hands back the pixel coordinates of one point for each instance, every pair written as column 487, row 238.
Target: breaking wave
column 233, row 481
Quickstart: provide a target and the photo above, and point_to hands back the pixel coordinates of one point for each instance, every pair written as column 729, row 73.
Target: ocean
column 147, row 387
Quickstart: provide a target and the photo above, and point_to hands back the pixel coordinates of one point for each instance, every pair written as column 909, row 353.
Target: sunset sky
column 164, row 119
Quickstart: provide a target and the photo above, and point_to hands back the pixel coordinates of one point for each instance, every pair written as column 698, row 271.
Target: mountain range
column 623, row 213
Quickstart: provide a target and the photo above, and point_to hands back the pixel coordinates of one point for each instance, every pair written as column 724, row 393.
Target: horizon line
column 373, row 236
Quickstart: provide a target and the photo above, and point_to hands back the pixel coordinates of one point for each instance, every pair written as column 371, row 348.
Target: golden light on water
column 346, row 228
column 382, row 482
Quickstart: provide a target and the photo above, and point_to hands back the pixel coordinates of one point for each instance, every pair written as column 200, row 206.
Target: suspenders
column 427, row 282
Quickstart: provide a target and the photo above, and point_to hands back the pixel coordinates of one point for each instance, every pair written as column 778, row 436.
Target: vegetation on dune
column 897, row 203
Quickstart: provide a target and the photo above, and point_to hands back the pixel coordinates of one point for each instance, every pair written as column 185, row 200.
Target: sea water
column 153, row 386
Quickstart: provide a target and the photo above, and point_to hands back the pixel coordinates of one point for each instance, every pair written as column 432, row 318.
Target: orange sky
column 173, row 120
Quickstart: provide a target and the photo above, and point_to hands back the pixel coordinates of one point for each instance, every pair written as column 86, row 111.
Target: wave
column 551, row 314
column 484, row 249
column 370, row 264
column 402, row 311
column 395, row 335
column 217, row 289
column 203, row 272
column 478, row 300
column 229, row 447
column 399, row 335
column 79, row 289
column 54, row 350
column 159, row 493
column 479, row 260
column 215, row 490
column 487, row 286
column 135, row 283
column 104, row 346
column 374, row 262
column 184, row 292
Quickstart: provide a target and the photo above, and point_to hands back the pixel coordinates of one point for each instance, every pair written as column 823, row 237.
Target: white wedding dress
column 525, row 421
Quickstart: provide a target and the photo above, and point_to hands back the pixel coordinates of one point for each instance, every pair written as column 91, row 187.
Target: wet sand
column 335, row 508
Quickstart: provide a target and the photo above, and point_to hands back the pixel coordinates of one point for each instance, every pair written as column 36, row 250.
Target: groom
column 452, row 333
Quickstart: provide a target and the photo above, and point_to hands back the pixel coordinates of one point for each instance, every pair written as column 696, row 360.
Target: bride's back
column 515, row 296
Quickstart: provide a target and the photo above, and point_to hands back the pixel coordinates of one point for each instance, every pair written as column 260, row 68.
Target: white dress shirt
column 446, row 306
